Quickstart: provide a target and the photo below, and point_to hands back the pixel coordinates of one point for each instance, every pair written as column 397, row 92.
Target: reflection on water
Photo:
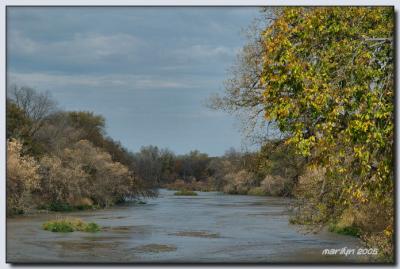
column 210, row 227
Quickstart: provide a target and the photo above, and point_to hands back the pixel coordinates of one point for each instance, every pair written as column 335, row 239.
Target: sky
column 147, row 70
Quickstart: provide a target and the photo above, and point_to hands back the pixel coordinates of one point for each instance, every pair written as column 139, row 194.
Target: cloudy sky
column 147, row 70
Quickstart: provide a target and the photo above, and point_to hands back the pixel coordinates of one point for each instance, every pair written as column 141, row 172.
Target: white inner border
column 4, row 3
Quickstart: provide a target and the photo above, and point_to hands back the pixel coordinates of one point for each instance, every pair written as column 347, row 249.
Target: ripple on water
column 155, row 248
column 203, row 234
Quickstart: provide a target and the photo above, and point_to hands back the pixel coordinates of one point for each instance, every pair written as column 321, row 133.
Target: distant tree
column 18, row 124
column 118, row 152
column 92, row 125
column 148, row 165
column 167, row 159
column 36, row 106
column 57, row 133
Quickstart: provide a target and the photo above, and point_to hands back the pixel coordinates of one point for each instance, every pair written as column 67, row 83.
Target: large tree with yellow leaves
column 328, row 83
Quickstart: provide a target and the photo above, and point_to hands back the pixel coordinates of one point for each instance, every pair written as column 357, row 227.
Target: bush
column 193, row 185
column 185, row 193
column 257, row 191
column 60, row 207
column 22, row 178
column 58, row 226
column 70, row 225
column 84, row 176
column 176, row 185
column 60, row 183
column 107, row 182
column 65, row 207
column 92, row 227
column 347, row 230
column 275, row 185
column 240, row 182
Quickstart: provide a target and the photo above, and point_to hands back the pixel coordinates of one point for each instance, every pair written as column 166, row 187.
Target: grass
column 185, row 193
column 347, row 230
column 257, row 191
column 67, row 225
column 65, row 207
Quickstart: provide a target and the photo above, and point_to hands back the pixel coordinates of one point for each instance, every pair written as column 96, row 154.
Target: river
column 208, row 228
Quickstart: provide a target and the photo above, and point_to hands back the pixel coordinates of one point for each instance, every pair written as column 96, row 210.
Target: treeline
column 63, row 160
column 323, row 78
column 271, row 171
column 60, row 160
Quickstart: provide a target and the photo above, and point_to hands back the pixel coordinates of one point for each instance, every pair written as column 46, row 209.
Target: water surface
column 211, row 227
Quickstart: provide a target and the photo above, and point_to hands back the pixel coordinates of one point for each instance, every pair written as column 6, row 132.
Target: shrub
column 177, row 185
column 257, row 191
column 275, row 185
column 65, row 207
column 22, row 178
column 383, row 241
column 347, row 230
column 84, row 176
column 91, row 227
column 193, row 185
column 107, row 181
column 60, row 183
column 240, row 182
column 60, row 207
column 66, row 225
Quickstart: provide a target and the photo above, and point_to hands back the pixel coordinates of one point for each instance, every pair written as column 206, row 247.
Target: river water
column 208, row 228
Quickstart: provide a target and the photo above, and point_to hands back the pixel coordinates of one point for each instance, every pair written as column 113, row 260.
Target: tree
column 57, row 133
column 167, row 159
column 148, row 165
column 18, row 124
column 92, row 125
column 36, row 106
column 280, row 159
column 243, row 90
column 328, row 84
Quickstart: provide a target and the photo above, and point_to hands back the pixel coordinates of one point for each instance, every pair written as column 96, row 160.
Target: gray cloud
column 148, row 70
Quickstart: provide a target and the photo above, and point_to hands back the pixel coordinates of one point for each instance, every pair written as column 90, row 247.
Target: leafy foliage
column 62, row 161
column 328, row 85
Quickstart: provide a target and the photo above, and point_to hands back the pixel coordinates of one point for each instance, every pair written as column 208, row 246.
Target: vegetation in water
column 66, row 225
column 65, row 207
column 185, row 193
